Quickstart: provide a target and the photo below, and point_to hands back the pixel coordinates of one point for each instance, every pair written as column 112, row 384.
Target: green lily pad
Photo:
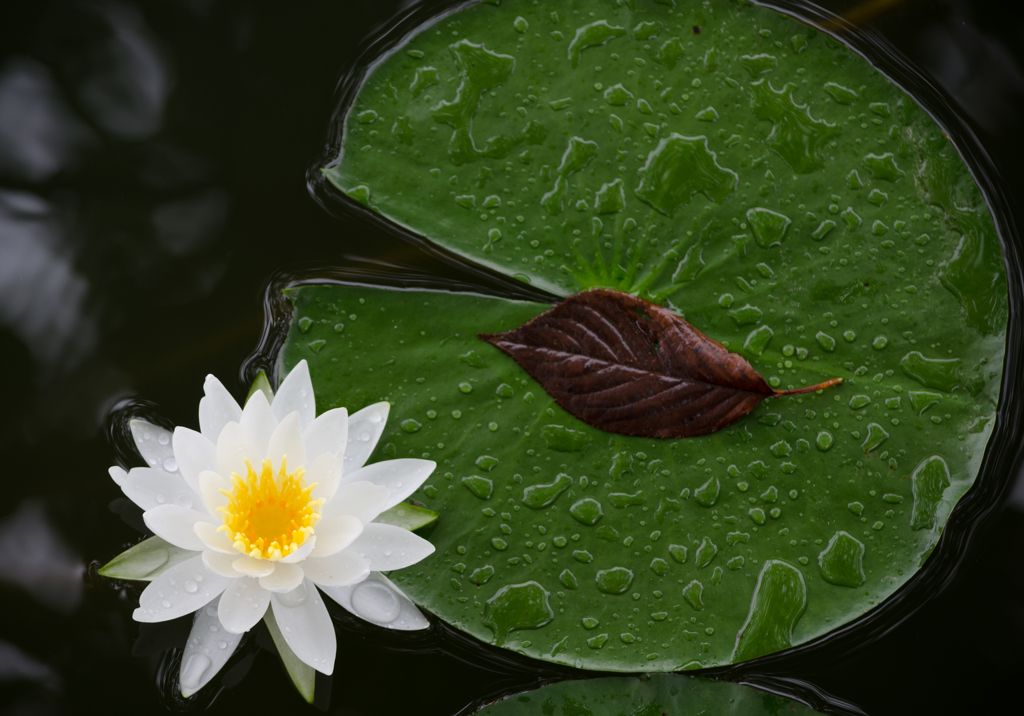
column 758, row 178
column 657, row 694
column 705, row 155
column 145, row 561
column 603, row 551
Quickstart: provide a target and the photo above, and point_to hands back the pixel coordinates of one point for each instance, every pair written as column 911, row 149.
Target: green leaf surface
column 302, row 675
column 756, row 177
column 650, row 696
column 406, row 516
column 706, row 155
column 603, row 551
column 145, row 561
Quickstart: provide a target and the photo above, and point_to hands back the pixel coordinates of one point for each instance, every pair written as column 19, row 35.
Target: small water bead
column 465, row 388
column 191, row 587
column 376, row 603
column 859, row 401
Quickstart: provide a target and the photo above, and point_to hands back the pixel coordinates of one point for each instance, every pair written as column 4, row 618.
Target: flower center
column 270, row 516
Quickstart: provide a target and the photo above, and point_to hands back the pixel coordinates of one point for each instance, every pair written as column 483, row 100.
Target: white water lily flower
column 274, row 502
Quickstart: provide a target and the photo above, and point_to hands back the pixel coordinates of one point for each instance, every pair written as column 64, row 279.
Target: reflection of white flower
column 273, row 500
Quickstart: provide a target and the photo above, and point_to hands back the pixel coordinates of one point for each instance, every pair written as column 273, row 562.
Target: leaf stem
column 810, row 389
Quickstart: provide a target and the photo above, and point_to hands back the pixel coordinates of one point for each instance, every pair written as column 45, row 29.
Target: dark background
column 153, row 160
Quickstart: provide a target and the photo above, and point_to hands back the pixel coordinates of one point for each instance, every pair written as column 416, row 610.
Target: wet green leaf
column 145, row 561
column 657, row 694
column 613, row 552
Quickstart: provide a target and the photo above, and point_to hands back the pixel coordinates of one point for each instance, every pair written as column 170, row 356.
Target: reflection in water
column 33, row 556
column 977, row 69
column 39, row 134
column 119, row 72
column 187, row 225
column 16, row 665
column 33, row 263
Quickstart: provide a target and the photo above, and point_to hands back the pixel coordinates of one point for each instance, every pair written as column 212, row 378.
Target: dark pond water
column 153, row 160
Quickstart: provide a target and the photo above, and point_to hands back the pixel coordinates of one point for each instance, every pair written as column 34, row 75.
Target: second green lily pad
column 658, row 694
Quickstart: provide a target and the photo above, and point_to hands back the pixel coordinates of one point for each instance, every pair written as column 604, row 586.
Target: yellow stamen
column 270, row 516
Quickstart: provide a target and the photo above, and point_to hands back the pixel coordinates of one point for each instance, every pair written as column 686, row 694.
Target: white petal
column 210, row 485
column 149, row 488
column 377, row 600
column 363, row 500
column 403, row 476
column 325, row 471
column 234, row 447
column 259, row 421
column 180, row 590
column 338, row 570
column 176, row 525
column 388, row 547
column 243, row 605
column 253, row 567
column 214, row 539
column 364, row 430
column 328, row 433
column 216, row 409
column 117, row 474
column 285, row 578
column 287, row 442
column 301, row 553
column 154, row 444
column 208, row 648
column 306, row 626
column 296, row 394
column 335, row 534
column 193, row 453
column 220, row 563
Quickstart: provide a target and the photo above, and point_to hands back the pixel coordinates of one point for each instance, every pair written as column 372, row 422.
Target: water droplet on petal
column 171, row 465
column 191, row 587
column 374, row 602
